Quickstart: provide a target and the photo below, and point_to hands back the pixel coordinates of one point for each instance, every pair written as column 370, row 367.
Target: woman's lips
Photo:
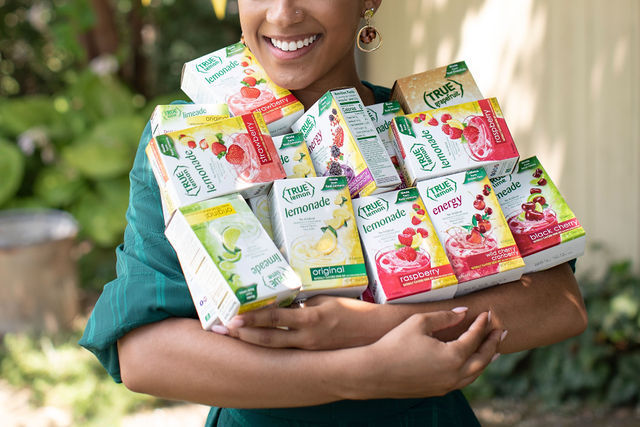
column 291, row 48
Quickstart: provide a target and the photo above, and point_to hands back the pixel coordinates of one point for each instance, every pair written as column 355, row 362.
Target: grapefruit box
column 543, row 226
column 454, row 139
column 199, row 163
column 233, row 76
column 174, row 117
column 294, row 155
column 405, row 260
column 343, row 141
column 467, row 217
column 230, row 264
column 441, row 87
column 314, row 227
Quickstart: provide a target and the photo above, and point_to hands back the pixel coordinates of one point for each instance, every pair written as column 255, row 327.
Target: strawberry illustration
column 446, row 129
column 218, row 149
column 251, row 81
column 471, row 133
column 235, row 154
column 405, row 239
column 407, row 253
column 192, row 144
column 204, row 144
column 250, row 92
column 455, row 133
column 433, row 121
column 424, row 233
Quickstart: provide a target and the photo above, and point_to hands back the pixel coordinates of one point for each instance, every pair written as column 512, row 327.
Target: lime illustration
column 230, row 237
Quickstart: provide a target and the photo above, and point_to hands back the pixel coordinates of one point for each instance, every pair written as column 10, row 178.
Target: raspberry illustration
column 446, row 129
column 415, row 220
column 405, row 239
column 471, row 133
column 416, row 119
column 407, row 253
column 415, row 206
column 235, row 154
column 455, row 133
column 423, row 116
column 410, row 231
column 424, row 233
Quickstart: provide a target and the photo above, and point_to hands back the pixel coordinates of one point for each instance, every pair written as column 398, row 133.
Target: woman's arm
column 176, row 359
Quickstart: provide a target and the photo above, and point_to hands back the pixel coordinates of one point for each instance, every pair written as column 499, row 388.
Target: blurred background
column 78, row 81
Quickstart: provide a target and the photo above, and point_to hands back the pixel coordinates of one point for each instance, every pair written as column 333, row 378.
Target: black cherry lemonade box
column 233, row 76
column 405, row 259
column 469, row 222
column 454, row 139
column 543, row 226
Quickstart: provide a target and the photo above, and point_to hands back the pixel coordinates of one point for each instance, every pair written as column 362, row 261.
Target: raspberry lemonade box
column 544, row 227
column 174, row 117
column 343, row 141
column 230, row 264
column 449, row 85
column 233, row 76
column 294, row 155
column 381, row 116
column 454, row 139
column 468, row 220
column 405, row 260
column 199, row 163
column 314, row 227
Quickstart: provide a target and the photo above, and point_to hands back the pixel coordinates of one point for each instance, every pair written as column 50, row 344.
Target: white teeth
column 299, row 44
column 293, row 45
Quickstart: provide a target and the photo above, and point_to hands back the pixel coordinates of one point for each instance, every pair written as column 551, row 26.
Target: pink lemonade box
column 544, row 227
column 405, row 259
column 468, row 220
column 454, row 139
column 233, row 76
column 203, row 162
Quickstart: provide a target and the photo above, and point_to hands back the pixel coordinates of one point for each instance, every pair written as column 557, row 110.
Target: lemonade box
column 468, row 220
column 174, row 117
column 405, row 259
column 381, row 116
column 260, row 207
column 343, row 141
column 230, row 264
column 454, row 139
column 314, row 227
column 233, row 76
column 294, row 155
column 199, row 163
column 441, row 87
column 544, row 227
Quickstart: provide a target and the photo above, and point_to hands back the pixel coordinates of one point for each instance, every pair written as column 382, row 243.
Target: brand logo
column 171, row 113
column 422, row 157
column 445, row 93
column 301, row 191
column 209, row 63
column 191, row 188
column 373, row 208
column 445, row 187
column 308, row 125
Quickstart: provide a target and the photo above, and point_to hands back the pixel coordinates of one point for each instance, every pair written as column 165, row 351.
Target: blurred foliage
column 72, row 112
column 599, row 367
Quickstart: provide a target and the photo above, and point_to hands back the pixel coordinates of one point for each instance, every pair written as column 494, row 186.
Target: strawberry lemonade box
column 174, row 117
column 468, row 220
column 230, row 264
column 449, row 85
column 233, row 76
column 405, row 259
column 199, row 163
column 343, row 141
column 543, row 226
column 314, row 228
column 454, row 139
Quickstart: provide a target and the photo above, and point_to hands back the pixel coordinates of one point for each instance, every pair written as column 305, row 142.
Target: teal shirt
column 150, row 287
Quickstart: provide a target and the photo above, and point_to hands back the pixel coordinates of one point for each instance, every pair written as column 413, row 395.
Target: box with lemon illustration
column 174, row 117
column 314, row 227
column 230, row 264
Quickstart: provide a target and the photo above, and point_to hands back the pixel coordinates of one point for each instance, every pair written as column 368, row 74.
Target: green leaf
column 12, row 167
column 59, row 185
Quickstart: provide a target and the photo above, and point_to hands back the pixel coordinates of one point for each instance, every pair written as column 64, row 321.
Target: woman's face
column 302, row 42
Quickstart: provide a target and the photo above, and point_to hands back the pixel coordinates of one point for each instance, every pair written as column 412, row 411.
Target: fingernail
column 460, row 309
column 495, row 356
column 504, row 335
column 489, row 317
column 235, row 323
column 220, row 329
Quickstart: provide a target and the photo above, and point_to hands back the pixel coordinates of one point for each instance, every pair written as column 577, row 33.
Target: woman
column 339, row 361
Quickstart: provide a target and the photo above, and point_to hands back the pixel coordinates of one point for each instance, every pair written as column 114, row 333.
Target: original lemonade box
column 468, row 220
column 174, row 117
column 313, row 226
column 230, row 264
column 544, row 227
column 405, row 259
column 233, row 76
column 199, row 163
column 343, row 141
column 454, row 139
column 449, row 85
column 294, row 155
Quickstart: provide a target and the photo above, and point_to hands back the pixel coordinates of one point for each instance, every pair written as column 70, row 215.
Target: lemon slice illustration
column 328, row 241
column 301, row 170
column 335, row 222
column 342, row 213
column 230, row 236
column 455, row 124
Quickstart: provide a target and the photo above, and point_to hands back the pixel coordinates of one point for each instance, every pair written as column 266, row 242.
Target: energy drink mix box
column 233, row 76
column 441, row 87
column 174, row 117
column 544, row 227
column 343, row 141
column 260, row 207
column 381, row 116
column 230, row 264
column 469, row 222
column 294, row 155
column 454, row 139
column 405, row 259
column 314, row 227
column 228, row 156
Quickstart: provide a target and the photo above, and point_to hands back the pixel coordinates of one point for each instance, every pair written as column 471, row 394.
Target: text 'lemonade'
column 175, row 117
column 454, row 139
column 468, row 219
column 233, row 76
column 230, row 264
column 199, row 163
column 543, row 226
column 405, row 258
column 343, row 141
column 314, row 227
column 381, row 116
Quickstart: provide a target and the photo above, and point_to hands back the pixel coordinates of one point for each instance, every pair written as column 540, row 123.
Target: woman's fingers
column 471, row 339
column 433, row 322
column 268, row 337
column 484, row 354
column 270, row 318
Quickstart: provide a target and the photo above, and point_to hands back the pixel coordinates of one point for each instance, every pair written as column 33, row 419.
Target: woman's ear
column 375, row 4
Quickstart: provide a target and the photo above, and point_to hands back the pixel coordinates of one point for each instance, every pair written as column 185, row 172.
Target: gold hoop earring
column 368, row 34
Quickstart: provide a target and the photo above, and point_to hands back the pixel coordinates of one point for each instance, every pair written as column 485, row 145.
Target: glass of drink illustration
column 525, row 225
column 465, row 254
column 392, row 267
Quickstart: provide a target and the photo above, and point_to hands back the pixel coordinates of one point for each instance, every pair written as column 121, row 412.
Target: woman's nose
column 284, row 12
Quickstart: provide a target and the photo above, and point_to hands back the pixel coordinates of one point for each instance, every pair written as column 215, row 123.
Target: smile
column 290, row 46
